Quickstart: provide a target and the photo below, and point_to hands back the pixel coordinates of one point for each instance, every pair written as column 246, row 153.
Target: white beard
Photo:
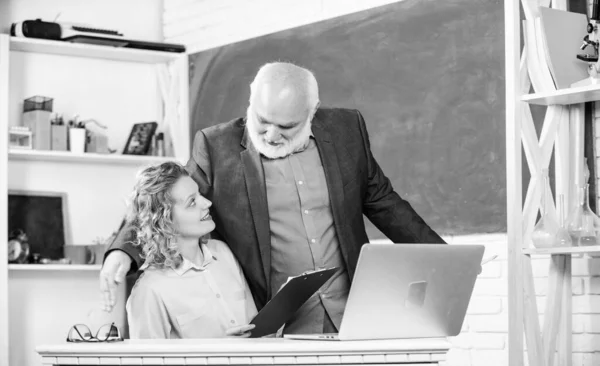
column 288, row 147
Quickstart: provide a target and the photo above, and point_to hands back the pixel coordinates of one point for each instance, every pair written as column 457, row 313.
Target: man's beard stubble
column 296, row 143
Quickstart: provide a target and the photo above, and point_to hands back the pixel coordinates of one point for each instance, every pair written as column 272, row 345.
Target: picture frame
column 44, row 217
column 140, row 138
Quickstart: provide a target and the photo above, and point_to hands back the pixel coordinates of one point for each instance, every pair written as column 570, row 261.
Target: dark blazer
column 229, row 172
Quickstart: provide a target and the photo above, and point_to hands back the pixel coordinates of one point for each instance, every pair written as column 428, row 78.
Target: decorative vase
column 544, row 233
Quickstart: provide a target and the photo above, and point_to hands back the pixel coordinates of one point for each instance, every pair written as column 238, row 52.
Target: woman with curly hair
column 191, row 286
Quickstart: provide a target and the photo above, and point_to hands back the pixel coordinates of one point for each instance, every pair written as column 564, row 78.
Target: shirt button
column 313, row 241
column 300, row 182
column 232, row 321
column 218, row 296
column 306, row 212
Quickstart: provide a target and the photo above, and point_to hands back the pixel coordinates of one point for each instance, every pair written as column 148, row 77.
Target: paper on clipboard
column 288, row 300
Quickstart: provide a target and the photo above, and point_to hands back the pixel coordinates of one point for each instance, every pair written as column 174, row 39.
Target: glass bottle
column 563, row 238
column 544, row 233
column 584, row 225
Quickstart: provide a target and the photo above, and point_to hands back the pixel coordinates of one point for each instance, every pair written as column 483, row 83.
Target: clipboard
column 288, row 300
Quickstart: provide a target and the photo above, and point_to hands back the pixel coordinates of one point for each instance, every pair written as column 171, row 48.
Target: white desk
column 232, row 351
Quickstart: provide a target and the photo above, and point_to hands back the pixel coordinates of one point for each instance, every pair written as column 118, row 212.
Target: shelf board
column 567, row 250
column 54, row 267
column 66, row 156
column 90, row 51
column 566, row 96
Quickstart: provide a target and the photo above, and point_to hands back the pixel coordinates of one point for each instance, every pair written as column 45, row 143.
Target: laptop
column 404, row 291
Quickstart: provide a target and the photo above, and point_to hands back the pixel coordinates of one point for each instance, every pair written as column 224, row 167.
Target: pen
column 489, row 259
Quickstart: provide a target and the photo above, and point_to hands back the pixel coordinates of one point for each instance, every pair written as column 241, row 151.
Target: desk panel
column 233, row 351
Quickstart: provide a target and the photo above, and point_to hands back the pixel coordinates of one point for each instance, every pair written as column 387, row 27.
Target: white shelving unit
column 54, row 267
column 565, row 96
column 91, row 51
column 171, row 71
column 69, row 157
column 562, row 134
column 563, row 251
column 4, row 57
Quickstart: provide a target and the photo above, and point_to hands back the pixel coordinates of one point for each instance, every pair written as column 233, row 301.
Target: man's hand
column 113, row 272
column 242, row 331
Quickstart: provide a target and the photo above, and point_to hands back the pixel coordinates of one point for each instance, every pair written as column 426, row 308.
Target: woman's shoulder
column 219, row 248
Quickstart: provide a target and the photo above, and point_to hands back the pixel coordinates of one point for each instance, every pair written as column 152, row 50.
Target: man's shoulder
column 342, row 122
column 232, row 128
column 336, row 114
column 222, row 139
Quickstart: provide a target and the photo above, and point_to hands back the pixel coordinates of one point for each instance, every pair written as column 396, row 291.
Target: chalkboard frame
column 50, row 194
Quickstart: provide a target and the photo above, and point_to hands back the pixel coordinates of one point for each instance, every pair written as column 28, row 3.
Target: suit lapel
column 257, row 195
column 333, row 176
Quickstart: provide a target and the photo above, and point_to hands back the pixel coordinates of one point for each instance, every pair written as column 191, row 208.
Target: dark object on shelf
column 44, row 217
column 36, row 115
column 140, row 138
column 160, row 144
column 78, row 33
column 35, row 258
column 18, row 247
column 38, row 103
column 125, row 43
column 36, row 29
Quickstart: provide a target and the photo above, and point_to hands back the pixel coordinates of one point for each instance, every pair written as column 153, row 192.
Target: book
column 563, row 33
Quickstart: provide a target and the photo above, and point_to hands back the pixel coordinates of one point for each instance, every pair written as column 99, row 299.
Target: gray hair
column 284, row 72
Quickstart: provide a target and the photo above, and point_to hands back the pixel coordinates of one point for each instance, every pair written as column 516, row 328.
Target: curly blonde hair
column 150, row 213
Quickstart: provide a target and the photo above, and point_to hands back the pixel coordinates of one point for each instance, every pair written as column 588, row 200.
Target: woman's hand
column 242, row 331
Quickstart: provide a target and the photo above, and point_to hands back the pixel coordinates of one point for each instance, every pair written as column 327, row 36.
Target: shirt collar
column 306, row 145
column 186, row 264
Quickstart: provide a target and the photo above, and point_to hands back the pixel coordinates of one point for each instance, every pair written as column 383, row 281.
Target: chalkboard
column 43, row 217
column 427, row 75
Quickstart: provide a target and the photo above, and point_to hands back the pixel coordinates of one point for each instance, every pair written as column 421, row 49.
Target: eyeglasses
column 106, row 333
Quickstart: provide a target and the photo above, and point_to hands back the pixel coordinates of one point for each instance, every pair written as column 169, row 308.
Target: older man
column 290, row 184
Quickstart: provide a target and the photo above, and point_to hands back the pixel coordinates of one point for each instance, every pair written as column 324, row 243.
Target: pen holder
column 59, row 137
column 36, row 116
column 96, row 140
column 77, row 140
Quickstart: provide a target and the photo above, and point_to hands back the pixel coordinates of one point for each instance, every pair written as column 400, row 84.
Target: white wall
column 211, row 23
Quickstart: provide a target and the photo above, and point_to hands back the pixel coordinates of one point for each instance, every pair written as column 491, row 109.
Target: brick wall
column 212, row 23
column 483, row 340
